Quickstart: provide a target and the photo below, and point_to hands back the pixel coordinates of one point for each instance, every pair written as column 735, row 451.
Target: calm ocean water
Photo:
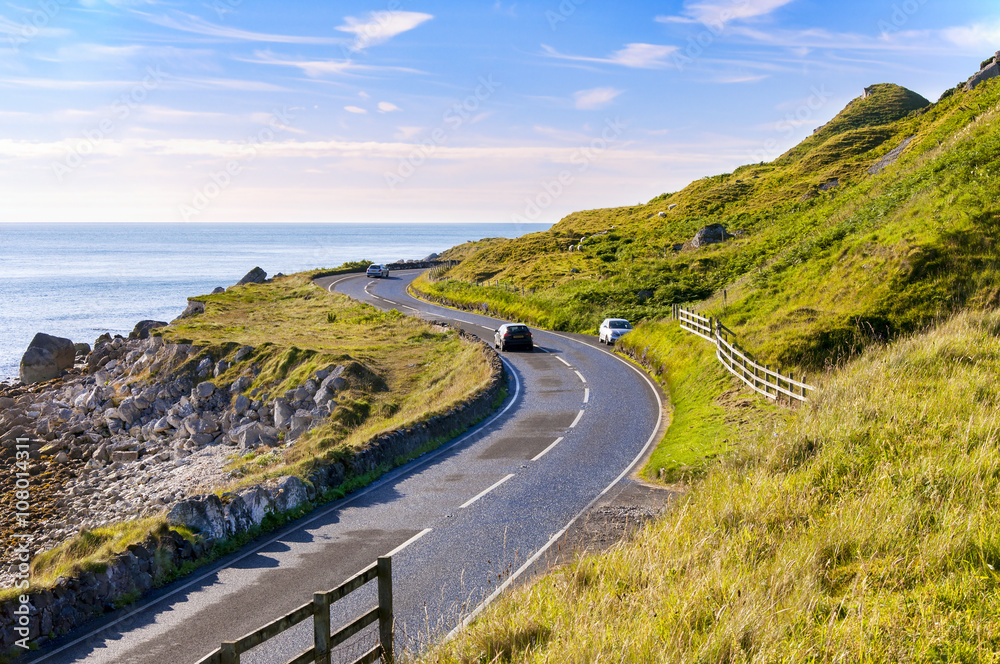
column 81, row 280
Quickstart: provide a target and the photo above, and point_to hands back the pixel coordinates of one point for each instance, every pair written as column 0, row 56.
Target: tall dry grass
column 863, row 527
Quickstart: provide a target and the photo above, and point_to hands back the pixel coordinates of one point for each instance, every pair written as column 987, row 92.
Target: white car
column 376, row 270
column 611, row 329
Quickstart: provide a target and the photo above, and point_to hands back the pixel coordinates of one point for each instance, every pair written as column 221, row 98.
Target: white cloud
column 388, row 107
column 318, row 68
column 355, row 109
column 381, row 26
column 720, row 13
column 199, row 26
column 636, row 56
column 406, row 133
column 978, row 35
column 364, row 95
column 588, row 100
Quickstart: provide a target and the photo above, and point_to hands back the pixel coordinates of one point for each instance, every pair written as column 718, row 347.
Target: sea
column 82, row 280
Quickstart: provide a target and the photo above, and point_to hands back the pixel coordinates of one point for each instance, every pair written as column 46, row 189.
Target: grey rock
column 217, row 290
column 254, row 434
column 144, row 327
column 282, row 413
column 45, row 358
column 333, row 383
column 711, row 234
column 254, row 276
column 124, row 456
column 242, row 353
column 204, row 367
column 240, row 384
column 988, row 72
column 258, row 502
column 289, row 492
column 204, row 514
column 221, row 367
column 241, row 404
column 194, row 308
column 162, row 424
column 82, row 349
column 204, row 390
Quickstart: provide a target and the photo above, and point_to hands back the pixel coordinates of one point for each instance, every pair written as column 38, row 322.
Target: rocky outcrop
column 990, row 69
column 254, row 276
column 144, row 327
column 129, row 448
column 711, row 234
column 194, row 308
column 46, row 358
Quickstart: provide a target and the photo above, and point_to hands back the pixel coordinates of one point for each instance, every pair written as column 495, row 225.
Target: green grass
column 859, row 528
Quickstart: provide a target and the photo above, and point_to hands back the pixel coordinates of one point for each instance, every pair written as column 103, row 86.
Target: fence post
column 321, row 628
column 767, row 389
column 385, row 607
column 229, row 654
column 803, row 389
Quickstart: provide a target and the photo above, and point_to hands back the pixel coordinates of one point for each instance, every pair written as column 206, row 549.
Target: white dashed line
column 581, row 376
column 408, row 542
column 563, row 361
column 579, row 416
column 586, row 395
column 409, row 308
column 480, row 495
column 545, row 451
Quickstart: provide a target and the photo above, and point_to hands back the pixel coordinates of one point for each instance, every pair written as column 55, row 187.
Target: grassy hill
column 861, row 526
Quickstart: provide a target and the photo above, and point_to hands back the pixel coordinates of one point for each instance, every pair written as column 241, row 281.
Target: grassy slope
column 816, row 272
column 402, row 371
column 858, row 528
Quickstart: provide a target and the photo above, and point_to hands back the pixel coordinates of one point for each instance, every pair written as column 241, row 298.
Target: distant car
column 512, row 335
column 376, row 270
column 611, row 329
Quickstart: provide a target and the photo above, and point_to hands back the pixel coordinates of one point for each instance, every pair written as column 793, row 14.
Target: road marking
column 577, row 420
column 563, row 361
column 408, row 542
column 480, row 495
column 488, row 329
column 555, row 538
column 545, row 451
column 211, row 570
column 410, row 308
column 586, row 394
column 581, row 376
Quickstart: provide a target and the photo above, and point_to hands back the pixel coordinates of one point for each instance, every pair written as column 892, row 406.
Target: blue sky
column 411, row 110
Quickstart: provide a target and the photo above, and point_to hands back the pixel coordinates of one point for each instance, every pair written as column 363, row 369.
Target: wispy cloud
column 196, row 25
column 388, row 107
column 318, row 68
column 379, row 27
column 977, row 35
column 355, row 109
column 721, row 13
column 588, row 100
column 636, row 56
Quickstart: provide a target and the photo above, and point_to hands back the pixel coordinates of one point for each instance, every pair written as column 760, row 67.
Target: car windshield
column 619, row 325
column 517, row 329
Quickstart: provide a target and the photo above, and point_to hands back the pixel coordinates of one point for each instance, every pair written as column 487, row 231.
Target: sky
column 433, row 111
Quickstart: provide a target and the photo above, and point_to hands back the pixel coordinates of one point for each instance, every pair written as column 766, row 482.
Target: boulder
column 254, row 276
column 144, row 327
column 82, row 349
column 241, row 404
column 240, row 384
column 46, row 357
column 204, row 390
column 204, row 514
column 289, row 492
column 253, row 434
column 333, row 383
column 217, row 290
column 282, row 413
column 258, row 502
column 711, row 234
column 194, row 308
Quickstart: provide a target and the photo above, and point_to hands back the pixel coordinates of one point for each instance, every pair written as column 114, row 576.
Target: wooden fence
column 319, row 611
column 759, row 377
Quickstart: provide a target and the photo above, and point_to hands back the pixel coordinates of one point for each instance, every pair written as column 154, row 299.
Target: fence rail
column 759, row 377
column 319, row 610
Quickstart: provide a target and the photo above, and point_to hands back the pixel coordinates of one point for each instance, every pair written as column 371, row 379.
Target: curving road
column 462, row 523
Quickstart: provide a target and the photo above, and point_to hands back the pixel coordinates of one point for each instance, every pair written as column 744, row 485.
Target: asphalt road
column 463, row 522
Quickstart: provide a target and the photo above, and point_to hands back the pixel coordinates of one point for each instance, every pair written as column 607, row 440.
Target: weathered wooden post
column 385, row 617
column 321, row 628
column 803, row 388
column 229, row 654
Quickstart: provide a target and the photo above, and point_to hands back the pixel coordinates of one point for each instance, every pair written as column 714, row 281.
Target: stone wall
column 75, row 600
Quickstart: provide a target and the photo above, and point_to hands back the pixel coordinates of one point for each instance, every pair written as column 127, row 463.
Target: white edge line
column 580, row 375
column 562, row 360
column 552, row 540
column 586, row 395
column 409, row 542
column 295, row 525
column 546, row 450
column 483, row 493
column 579, row 416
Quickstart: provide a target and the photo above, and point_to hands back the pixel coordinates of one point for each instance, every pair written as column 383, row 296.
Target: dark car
column 512, row 335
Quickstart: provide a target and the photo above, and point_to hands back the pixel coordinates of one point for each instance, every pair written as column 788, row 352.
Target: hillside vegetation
column 861, row 526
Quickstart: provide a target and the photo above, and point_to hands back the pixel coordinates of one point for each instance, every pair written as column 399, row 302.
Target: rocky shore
column 140, row 427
